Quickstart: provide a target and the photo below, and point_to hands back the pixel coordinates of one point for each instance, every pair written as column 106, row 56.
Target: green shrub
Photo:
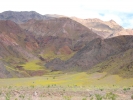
column 32, row 86
column 67, row 97
column 131, row 96
column 22, row 96
column 101, row 89
column 125, row 89
column 85, row 98
column 48, row 86
column 98, row 97
column 111, row 96
column 8, row 96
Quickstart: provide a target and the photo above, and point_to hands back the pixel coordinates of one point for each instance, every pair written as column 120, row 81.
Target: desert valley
column 55, row 57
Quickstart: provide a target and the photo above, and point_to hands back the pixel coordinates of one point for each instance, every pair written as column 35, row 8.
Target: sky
column 120, row 11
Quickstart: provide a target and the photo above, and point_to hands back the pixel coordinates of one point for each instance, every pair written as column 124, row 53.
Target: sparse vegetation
column 126, row 89
column 48, row 86
column 98, row 97
column 131, row 96
column 85, row 98
column 62, row 93
column 32, row 86
column 7, row 96
column 32, row 65
column 54, row 77
column 91, row 98
column 22, row 96
column 101, row 89
column 111, row 96
column 64, row 90
column 67, row 97
column 64, row 85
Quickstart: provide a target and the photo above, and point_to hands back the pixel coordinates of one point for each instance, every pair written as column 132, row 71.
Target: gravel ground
column 60, row 93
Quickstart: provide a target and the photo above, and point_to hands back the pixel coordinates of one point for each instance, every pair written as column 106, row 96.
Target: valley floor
column 62, row 93
column 68, row 86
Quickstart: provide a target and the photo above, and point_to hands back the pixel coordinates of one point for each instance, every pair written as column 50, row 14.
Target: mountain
column 105, row 29
column 16, row 45
column 54, row 16
column 113, row 55
column 12, row 37
column 24, row 16
column 37, row 42
column 62, row 28
column 123, row 32
column 3, row 72
column 59, row 37
column 33, row 45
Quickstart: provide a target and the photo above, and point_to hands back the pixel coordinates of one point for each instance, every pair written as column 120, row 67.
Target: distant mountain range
column 31, row 44
column 24, row 16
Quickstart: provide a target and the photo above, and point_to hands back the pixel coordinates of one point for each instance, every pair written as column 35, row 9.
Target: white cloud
column 103, row 9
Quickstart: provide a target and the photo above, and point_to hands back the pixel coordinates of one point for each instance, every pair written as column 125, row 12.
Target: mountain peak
column 9, row 11
column 113, row 22
column 21, row 17
column 93, row 20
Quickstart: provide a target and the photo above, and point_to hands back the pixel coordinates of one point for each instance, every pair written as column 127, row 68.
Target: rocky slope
column 12, row 38
column 59, row 37
column 23, row 16
column 105, row 29
column 61, row 28
column 105, row 54
column 16, row 45
column 3, row 72
column 44, row 40
column 123, row 32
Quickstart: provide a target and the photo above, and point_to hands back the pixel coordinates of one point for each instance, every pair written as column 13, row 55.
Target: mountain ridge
column 23, row 16
column 20, row 46
column 106, row 29
column 97, row 53
column 36, row 44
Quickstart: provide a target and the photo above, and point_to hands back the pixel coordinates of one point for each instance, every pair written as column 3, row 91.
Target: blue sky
column 120, row 11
